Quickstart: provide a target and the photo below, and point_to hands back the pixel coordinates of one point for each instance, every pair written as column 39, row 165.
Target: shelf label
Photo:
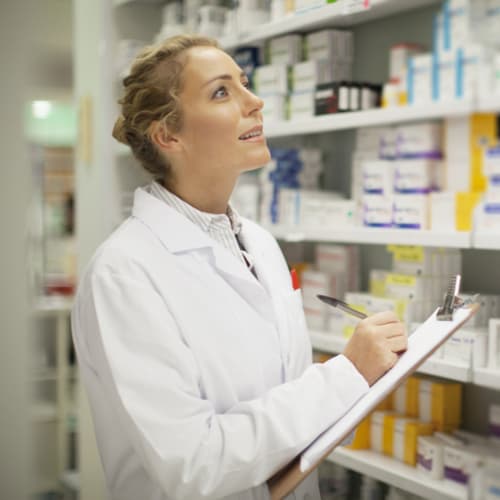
column 353, row 6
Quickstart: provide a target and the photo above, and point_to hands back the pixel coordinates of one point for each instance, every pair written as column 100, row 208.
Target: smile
column 255, row 132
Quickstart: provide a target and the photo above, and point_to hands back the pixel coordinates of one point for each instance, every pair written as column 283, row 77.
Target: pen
column 340, row 304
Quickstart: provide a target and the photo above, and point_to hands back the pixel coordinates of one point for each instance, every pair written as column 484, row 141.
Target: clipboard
column 426, row 339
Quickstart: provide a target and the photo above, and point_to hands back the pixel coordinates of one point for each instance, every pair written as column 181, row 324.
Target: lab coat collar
column 179, row 235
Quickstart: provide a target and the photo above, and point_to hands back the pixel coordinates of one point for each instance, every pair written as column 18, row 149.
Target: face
column 221, row 130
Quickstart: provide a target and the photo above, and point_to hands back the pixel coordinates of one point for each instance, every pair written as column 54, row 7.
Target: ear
column 161, row 137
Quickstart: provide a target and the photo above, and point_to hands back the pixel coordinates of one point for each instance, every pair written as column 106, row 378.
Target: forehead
column 205, row 63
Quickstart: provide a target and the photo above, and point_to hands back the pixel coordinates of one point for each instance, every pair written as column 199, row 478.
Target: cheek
column 212, row 130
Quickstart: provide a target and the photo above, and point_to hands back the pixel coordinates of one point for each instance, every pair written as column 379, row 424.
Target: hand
column 376, row 344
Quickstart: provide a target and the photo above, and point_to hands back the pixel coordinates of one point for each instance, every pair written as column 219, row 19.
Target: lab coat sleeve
column 150, row 376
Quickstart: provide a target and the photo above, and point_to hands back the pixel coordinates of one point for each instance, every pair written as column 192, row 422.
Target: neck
column 208, row 195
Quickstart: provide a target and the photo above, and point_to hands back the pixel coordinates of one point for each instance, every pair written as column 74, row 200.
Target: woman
column 191, row 341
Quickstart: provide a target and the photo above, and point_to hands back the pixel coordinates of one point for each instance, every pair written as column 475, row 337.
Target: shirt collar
column 204, row 219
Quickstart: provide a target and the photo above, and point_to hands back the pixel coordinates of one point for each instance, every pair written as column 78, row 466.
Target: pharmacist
column 191, row 340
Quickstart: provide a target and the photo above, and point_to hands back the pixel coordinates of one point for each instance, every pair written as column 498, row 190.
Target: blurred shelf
column 487, row 378
column 372, row 117
column 70, row 479
column 327, row 342
column 44, row 412
column 397, row 474
column 446, row 369
column 377, row 236
column 48, row 305
column 331, row 343
column 117, row 3
column 341, row 14
column 486, row 240
column 489, row 104
column 48, row 374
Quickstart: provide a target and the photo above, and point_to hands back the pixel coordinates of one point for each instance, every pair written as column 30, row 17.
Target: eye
column 219, row 93
column 246, row 84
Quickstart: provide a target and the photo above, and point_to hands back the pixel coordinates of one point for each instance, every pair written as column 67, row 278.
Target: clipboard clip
column 452, row 301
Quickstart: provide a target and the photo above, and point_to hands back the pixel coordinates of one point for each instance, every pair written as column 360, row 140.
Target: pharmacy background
column 383, row 122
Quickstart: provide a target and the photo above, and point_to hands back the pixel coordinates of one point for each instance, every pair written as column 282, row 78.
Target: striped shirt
column 223, row 228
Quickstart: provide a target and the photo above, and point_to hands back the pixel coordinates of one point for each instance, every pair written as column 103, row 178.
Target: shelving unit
column 337, row 15
column 397, row 474
column 372, row 117
column 108, row 171
column 375, row 236
column 57, row 309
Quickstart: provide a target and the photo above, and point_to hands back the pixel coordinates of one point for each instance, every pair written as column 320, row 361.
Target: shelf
column 397, row 474
column 446, row 369
column 53, row 305
column 44, row 412
column 486, row 240
column 376, row 236
column 338, row 15
column 327, row 342
column 488, row 104
column 71, row 479
column 117, row 3
column 331, row 343
column 372, row 117
column 487, row 378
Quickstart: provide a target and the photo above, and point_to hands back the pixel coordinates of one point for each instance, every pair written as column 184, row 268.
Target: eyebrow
column 224, row 77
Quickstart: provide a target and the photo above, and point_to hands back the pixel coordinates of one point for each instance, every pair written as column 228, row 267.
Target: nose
column 253, row 103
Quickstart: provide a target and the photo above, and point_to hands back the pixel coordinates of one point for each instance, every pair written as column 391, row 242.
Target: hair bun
column 119, row 132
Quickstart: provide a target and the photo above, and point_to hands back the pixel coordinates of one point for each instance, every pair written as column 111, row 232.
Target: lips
column 253, row 132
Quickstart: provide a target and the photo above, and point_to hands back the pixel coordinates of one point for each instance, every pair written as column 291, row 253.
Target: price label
column 352, row 6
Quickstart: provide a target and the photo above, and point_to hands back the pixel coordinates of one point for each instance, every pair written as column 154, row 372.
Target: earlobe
column 162, row 138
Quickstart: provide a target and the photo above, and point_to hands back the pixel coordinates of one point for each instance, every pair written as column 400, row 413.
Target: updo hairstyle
column 151, row 93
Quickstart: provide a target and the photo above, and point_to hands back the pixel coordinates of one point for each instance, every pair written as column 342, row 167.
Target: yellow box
column 440, row 403
column 465, row 202
column 483, row 133
column 386, row 404
column 361, row 440
column 390, row 422
column 377, row 429
column 406, row 397
column 405, row 439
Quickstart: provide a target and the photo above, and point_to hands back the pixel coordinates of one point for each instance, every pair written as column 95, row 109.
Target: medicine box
column 414, row 175
column 440, row 403
column 334, row 45
column 377, row 210
column 361, row 440
column 405, row 440
column 301, row 106
column 326, row 212
column 421, row 80
column 430, row 457
column 377, row 177
column 275, row 108
column 377, row 426
column 340, row 259
column 406, row 397
column 285, row 50
column 307, row 75
column 423, row 140
column 398, row 59
column 271, row 79
column 494, row 423
column 411, row 211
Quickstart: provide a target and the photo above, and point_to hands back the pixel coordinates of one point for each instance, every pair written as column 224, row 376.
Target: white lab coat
column 199, row 375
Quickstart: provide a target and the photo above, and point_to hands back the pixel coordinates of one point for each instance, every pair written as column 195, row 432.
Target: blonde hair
column 151, row 93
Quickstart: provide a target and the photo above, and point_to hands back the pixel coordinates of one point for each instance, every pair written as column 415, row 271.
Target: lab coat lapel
column 180, row 235
column 272, row 280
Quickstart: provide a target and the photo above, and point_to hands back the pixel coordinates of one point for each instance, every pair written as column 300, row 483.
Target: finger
column 382, row 318
column 397, row 344
column 394, row 330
